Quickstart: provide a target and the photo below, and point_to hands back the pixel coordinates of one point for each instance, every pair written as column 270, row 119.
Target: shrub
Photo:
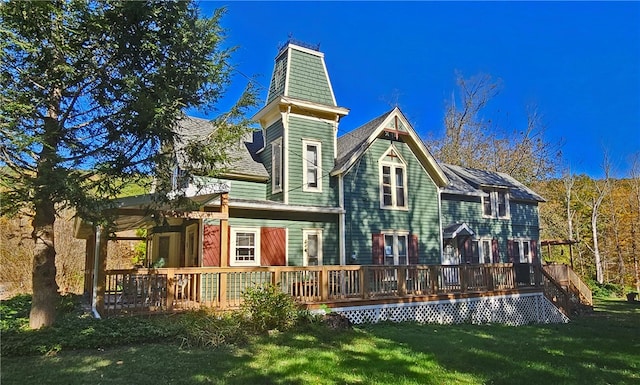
column 206, row 328
column 607, row 289
column 76, row 330
column 267, row 308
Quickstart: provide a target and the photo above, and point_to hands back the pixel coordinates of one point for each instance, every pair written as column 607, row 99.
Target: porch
column 165, row 290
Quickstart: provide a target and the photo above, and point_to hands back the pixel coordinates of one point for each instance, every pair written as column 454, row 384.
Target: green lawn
column 601, row 348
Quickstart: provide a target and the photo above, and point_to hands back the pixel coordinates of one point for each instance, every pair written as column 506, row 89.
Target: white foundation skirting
column 514, row 309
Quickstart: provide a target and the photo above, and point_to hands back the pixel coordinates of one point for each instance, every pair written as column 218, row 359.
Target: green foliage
column 77, row 330
column 206, row 328
column 267, row 308
column 605, row 290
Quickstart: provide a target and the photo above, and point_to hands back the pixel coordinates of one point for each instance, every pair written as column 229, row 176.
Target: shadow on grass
column 601, row 348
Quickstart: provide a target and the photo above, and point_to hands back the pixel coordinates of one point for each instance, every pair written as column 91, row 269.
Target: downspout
column 96, row 264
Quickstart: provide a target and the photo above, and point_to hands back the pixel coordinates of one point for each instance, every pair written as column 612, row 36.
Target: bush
column 76, row 330
column 206, row 328
column 268, row 307
column 606, row 289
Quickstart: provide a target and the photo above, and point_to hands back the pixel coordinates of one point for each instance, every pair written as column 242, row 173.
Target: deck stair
column 566, row 290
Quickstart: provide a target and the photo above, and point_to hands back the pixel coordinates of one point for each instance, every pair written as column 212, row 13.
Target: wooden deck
column 175, row 289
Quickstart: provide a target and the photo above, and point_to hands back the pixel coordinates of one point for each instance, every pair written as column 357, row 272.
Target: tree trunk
column 45, row 288
column 596, row 249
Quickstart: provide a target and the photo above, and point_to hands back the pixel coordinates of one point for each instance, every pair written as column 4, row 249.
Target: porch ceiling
column 134, row 212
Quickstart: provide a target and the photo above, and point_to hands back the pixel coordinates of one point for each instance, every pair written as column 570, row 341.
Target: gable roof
column 244, row 163
column 351, row 146
column 467, row 180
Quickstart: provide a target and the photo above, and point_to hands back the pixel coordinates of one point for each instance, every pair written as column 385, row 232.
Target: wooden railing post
column 171, row 288
column 222, row 289
column 364, row 281
column 489, row 271
column 433, row 277
column 402, row 281
column 324, row 283
column 462, row 272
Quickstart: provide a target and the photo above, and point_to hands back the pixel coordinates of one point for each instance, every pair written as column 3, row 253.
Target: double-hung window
column 245, row 246
column 312, row 170
column 495, row 204
column 276, row 165
column 520, row 251
column 393, row 182
column 396, row 248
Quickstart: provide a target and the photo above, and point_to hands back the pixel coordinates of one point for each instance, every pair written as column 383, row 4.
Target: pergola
column 559, row 242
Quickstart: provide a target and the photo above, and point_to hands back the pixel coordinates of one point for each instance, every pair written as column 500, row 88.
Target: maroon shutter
column 510, row 251
column 377, row 249
column 468, row 252
column 273, row 246
column 413, row 249
column 495, row 250
column 211, row 246
column 533, row 245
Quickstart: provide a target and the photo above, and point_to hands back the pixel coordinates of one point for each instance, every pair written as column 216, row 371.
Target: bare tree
column 471, row 140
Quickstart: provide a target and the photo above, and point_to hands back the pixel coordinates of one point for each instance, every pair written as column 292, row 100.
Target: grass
column 600, row 348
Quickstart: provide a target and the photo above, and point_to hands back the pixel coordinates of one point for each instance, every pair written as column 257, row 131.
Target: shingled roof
column 244, row 159
column 351, row 142
column 465, row 180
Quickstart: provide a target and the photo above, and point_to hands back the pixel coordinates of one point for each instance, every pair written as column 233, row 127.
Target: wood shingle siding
column 308, row 79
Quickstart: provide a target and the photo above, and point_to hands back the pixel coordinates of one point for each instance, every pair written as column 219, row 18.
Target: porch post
column 89, row 255
column 100, row 265
column 224, row 249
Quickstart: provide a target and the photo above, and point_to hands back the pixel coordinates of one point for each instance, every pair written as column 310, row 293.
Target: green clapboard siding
column 241, row 189
column 272, row 133
column 364, row 216
column 523, row 222
column 329, row 226
column 300, row 129
column 308, row 79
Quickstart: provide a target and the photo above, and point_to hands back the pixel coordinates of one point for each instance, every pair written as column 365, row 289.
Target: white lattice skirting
column 515, row 309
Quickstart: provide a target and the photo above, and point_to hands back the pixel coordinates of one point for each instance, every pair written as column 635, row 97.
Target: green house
column 301, row 195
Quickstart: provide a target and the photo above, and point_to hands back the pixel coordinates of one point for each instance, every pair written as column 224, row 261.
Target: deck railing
column 174, row 289
column 564, row 275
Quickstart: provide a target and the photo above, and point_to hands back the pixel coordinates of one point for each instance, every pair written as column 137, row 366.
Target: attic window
column 495, row 204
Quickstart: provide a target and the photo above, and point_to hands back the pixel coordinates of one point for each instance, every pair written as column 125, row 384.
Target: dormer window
column 495, row 204
column 312, row 171
column 393, row 181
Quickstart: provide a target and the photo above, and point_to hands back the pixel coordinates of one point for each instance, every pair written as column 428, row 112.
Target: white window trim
column 396, row 234
column 481, row 242
column 305, row 233
column 305, row 164
column 276, row 188
column 521, row 256
column 393, row 166
column 232, row 246
column 493, row 197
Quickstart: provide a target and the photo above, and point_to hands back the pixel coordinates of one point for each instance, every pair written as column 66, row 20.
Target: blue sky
column 579, row 62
